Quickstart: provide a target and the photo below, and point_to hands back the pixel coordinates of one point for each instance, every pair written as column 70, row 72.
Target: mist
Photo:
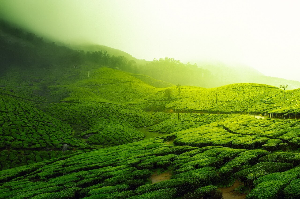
column 259, row 34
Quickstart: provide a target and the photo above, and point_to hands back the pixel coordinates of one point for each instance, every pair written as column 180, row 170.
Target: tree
column 283, row 86
column 168, row 94
column 179, row 89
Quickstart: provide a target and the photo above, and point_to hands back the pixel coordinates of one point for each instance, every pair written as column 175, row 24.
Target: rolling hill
column 77, row 124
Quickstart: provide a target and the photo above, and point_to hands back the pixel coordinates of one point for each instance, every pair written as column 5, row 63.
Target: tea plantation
column 124, row 171
column 74, row 124
column 29, row 135
column 87, row 142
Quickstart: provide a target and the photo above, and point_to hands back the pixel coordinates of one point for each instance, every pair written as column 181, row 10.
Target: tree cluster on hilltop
column 27, row 50
column 176, row 72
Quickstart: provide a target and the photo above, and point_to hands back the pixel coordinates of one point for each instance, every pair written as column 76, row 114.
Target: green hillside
column 75, row 124
column 234, row 98
column 111, row 85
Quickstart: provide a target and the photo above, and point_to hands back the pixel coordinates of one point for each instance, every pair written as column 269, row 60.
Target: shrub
column 267, row 190
column 161, row 193
column 292, row 191
column 209, row 191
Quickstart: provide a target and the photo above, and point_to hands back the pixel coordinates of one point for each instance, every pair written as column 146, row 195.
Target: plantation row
column 28, row 135
column 244, row 132
column 112, row 133
column 182, row 121
column 124, row 171
column 24, row 126
column 272, row 128
column 14, row 158
column 86, row 114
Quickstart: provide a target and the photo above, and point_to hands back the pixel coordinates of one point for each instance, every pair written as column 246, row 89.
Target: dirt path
column 170, row 142
column 228, row 192
column 149, row 134
column 160, row 177
column 259, row 117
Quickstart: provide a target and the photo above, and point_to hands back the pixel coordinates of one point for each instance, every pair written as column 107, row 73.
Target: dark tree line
column 21, row 48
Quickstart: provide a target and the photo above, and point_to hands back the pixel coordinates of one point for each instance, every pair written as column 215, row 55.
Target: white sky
column 263, row 34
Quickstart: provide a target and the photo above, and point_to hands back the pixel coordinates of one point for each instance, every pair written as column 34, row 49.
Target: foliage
column 185, row 121
column 52, row 95
column 29, row 135
column 175, row 72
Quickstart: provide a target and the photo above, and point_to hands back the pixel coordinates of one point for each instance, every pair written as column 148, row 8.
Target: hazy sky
column 263, row 34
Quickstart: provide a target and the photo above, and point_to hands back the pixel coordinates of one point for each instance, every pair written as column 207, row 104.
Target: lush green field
column 124, row 172
column 29, row 135
column 74, row 124
column 206, row 139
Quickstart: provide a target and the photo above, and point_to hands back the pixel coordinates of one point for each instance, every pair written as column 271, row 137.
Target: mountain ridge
column 32, row 50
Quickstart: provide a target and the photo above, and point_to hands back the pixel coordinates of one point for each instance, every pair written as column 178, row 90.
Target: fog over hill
column 229, row 74
column 263, row 35
column 35, row 51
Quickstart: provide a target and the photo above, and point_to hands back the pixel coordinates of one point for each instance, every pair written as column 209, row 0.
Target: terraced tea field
column 29, row 135
column 74, row 124
column 257, row 152
column 200, row 140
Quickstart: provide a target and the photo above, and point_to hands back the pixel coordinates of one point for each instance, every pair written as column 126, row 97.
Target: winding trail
column 155, row 177
column 229, row 193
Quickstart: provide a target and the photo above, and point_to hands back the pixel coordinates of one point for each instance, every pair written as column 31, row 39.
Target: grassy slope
column 106, row 110
column 110, row 85
column 104, row 107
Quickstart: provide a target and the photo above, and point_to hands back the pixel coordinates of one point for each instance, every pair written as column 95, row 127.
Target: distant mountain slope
column 224, row 74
